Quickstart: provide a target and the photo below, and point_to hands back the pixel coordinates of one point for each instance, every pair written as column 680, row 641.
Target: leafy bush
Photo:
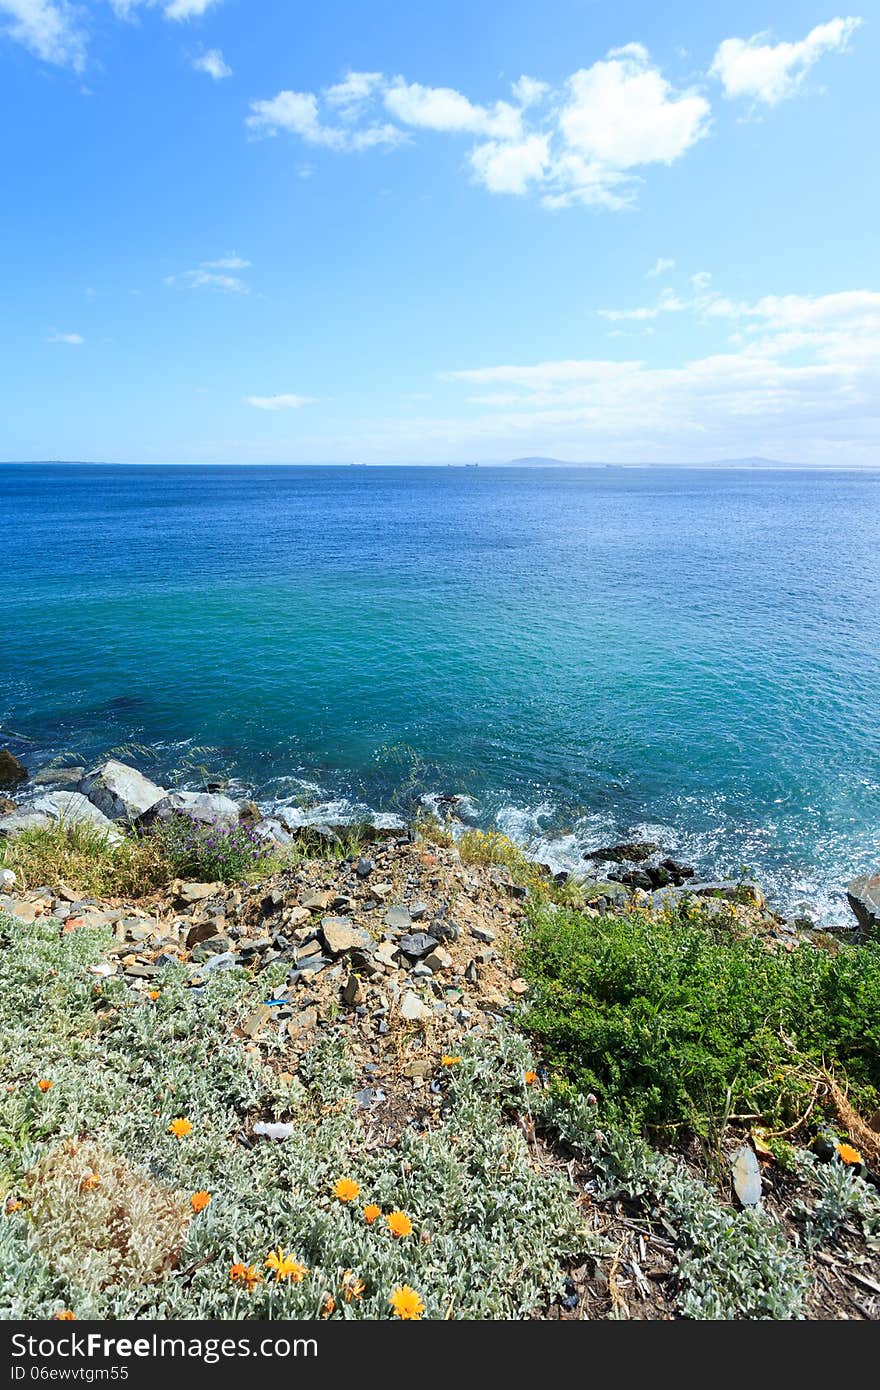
column 212, row 852
column 684, row 1023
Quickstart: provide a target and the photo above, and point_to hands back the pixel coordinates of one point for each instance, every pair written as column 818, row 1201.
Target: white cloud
column 214, row 275
column 298, row 114
column 281, row 402
column 69, row 339
column 187, row 9
column 49, row 30
column 580, row 143
column 213, row 63
column 662, row 265
column 668, row 303
column 800, row 380
column 770, row 72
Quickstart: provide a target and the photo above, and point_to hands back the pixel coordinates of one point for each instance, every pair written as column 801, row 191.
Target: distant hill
column 541, row 462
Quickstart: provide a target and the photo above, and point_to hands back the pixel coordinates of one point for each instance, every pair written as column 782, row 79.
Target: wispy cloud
column 284, row 401
column 50, row 29
column 214, row 275
column 172, row 9
column 213, row 63
column 69, row 339
column 769, row 72
column 662, row 266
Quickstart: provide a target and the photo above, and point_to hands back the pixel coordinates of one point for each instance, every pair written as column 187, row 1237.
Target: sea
column 577, row 654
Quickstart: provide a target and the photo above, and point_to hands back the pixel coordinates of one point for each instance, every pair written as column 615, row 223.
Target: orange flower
column 530, row 1078
column 247, row 1275
column 180, row 1128
column 12, row 1204
column 371, row 1212
column 849, row 1154
column 90, row 1182
column 447, row 1061
column 328, row 1305
column 285, row 1266
column 154, row 994
column 199, row 1200
column 352, row 1286
column 399, row 1223
column 406, row 1303
column 66, row 1316
column 346, row 1190
column 45, row 1086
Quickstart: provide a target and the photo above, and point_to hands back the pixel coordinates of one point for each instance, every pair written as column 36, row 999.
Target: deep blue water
column 689, row 654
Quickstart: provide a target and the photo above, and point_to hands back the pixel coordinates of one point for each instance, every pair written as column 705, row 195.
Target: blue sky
column 260, row 231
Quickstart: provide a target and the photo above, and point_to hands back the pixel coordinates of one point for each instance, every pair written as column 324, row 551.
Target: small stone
column 417, row 911
column 353, row 991
column 438, row 959
column 297, row 916
column 256, row 1020
column 7, row 880
column 484, row 934
column 202, row 931
column 381, row 892
column 412, row 1008
column 520, row 987
column 419, row 1068
column 417, row 944
column 302, row 1022
column 195, row 892
column 398, row 919
column 340, row 935
column 388, row 953
column 215, row 946
column 365, row 867
column 318, row 902
column 746, row 1172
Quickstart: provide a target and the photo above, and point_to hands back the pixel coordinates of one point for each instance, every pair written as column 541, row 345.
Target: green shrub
column 681, row 1023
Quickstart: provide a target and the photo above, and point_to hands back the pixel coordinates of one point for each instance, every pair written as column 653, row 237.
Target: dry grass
column 81, row 857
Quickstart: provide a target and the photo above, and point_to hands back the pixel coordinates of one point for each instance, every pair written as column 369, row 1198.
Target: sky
column 259, row 231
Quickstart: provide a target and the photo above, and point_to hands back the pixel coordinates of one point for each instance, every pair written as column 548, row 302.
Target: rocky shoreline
column 114, row 797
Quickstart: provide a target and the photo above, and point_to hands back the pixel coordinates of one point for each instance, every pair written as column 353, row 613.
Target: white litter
column 273, row 1131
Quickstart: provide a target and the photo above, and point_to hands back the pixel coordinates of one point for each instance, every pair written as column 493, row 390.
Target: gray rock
column 272, row 832
column 746, row 1172
column 67, row 777
column 196, row 892
column 731, row 890
column 75, row 809
column 12, row 771
column 398, row 919
column 629, row 851
column 863, row 894
column 484, row 934
column 417, row 944
column 417, row 911
column 365, row 867
column 120, row 791
column 207, row 807
column 413, row 1010
column 18, row 821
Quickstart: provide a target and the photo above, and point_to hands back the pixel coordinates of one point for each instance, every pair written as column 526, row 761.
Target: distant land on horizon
column 530, row 461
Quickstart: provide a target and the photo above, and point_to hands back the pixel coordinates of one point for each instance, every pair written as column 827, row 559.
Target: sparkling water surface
column 689, row 655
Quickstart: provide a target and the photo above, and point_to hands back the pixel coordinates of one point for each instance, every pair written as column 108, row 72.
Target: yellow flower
column 45, row 1086
column 447, row 1061
column 399, row 1223
column 246, row 1275
column 328, row 1305
column 66, row 1316
column 406, row 1303
column 285, row 1266
column 12, row 1204
column 346, row 1190
column 530, row 1078
column 90, row 1181
column 199, row 1200
column 849, row 1154
column 180, row 1128
column 371, row 1211
column 352, row 1286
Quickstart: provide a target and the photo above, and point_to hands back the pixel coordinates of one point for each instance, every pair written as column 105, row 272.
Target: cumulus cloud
column 49, row 30
column 213, row 63
column 582, row 142
column 768, row 72
column 214, row 275
column 280, row 402
column 68, row 339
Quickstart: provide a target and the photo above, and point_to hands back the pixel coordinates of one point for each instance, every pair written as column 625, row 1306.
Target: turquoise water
column 692, row 655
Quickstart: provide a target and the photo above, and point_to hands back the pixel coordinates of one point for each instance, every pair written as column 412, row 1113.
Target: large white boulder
column 211, row 808
column 120, row 792
column 75, row 809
